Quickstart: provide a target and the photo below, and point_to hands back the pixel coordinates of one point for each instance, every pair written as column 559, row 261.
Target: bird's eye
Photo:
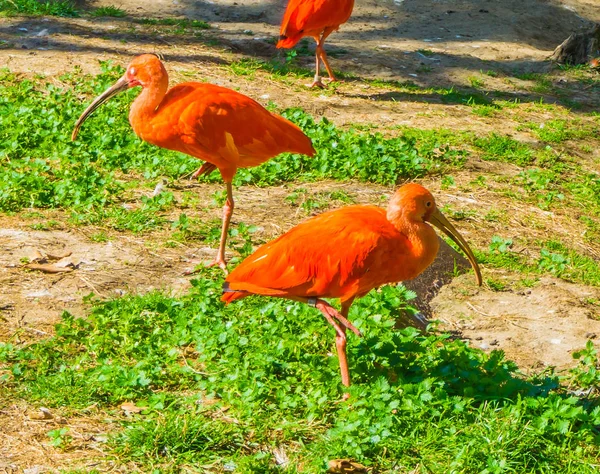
column 428, row 203
column 132, row 71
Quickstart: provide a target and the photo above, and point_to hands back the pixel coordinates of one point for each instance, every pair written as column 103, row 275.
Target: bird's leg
column 227, row 212
column 206, row 168
column 340, row 344
column 317, row 79
column 323, row 55
column 340, row 331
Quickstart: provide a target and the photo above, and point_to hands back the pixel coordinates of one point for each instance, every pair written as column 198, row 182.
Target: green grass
column 91, row 177
column 502, row 148
column 276, row 67
column 559, row 130
column 554, row 258
column 227, row 386
column 109, row 11
column 38, row 8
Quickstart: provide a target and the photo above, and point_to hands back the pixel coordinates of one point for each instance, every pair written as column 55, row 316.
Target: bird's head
column 415, row 204
column 145, row 70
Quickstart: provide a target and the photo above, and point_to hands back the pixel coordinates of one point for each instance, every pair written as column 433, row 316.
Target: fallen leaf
column 130, row 407
column 48, row 268
column 345, row 466
column 65, row 254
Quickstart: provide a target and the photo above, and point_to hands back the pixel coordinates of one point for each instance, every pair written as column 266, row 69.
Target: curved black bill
column 439, row 220
column 119, row 86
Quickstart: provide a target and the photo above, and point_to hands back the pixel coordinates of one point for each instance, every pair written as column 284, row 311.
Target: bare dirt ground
column 536, row 327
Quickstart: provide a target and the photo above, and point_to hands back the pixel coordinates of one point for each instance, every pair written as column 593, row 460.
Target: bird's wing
column 324, row 256
column 230, row 129
column 302, row 16
column 295, row 16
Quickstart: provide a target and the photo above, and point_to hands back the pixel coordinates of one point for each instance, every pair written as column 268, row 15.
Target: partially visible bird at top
column 225, row 129
column 316, row 18
column 344, row 254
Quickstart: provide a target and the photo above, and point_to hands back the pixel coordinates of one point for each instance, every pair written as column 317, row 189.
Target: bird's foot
column 335, row 314
column 199, row 265
column 317, row 82
column 206, row 168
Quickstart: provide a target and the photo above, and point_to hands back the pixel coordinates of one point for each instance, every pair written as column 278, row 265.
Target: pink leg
column 227, row 212
column 340, row 335
column 317, row 79
column 321, row 55
column 204, row 169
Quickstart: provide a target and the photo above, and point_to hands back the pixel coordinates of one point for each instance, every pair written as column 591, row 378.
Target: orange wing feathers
column 223, row 127
column 329, row 255
column 310, row 18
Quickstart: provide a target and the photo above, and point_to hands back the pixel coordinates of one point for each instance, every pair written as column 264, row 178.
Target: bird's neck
column 145, row 106
column 424, row 244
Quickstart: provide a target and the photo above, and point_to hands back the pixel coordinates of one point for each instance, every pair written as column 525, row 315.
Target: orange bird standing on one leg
column 345, row 254
column 316, row 18
column 222, row 127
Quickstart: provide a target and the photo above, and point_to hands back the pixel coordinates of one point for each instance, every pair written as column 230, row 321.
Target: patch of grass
column 554, row 258
column 311, row 202
column 442, row 144
column 229, row 386
column 109, row 11
column 47, row 225
column 484, row 110
column 276, row 67
column 476, row 82
column 497, row 147
column 64, row 8
column 490, row 73
column 426, row 52
column 559, row 130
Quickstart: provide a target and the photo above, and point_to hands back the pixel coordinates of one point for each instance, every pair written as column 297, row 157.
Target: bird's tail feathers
column 296, row 140
column 287, row 41
column 230, row 295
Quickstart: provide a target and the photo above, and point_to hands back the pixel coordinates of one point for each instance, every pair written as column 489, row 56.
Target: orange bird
column 316, row 18
column 222, row 127
column 345, row 254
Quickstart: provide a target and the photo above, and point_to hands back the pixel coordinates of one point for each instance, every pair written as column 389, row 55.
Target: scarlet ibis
column 316, row 18
column 344, row 254
column 224, row 128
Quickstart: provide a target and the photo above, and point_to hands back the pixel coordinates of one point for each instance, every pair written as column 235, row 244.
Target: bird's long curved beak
column 439, row 220
column 119, row 86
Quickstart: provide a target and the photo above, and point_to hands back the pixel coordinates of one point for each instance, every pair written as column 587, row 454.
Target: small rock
column 484, row 346
column 555, row 341
column 494, row 342
column 590, row 335
column 41, row 414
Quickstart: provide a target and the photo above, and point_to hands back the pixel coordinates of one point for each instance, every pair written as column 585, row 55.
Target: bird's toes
column 316, row 83
column 197, row 266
